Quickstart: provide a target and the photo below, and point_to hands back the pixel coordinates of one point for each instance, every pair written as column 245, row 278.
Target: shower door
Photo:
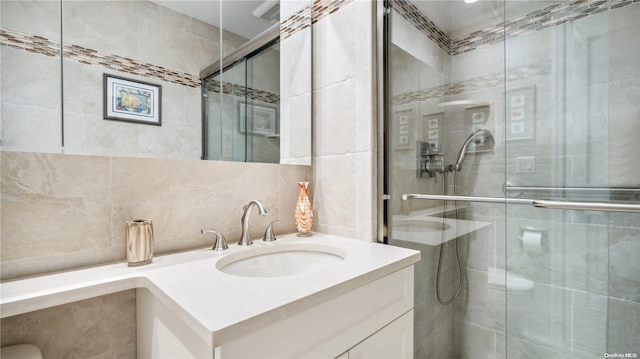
column 489, row 107
column 572, row 120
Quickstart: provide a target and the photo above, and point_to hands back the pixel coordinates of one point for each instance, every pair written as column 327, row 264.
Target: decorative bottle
column 304, row 213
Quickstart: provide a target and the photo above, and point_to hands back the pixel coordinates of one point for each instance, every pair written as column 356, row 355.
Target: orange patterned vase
column 304, row 214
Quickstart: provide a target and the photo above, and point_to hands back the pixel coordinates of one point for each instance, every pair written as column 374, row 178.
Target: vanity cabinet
column 393, row 341
column 374, row 320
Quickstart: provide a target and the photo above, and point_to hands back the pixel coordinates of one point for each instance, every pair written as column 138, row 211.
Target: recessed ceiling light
column 470, row 1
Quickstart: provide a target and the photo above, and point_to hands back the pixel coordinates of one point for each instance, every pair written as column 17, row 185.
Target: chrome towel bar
column 587, row 206
column 607, row 190
column 539, row 203
column 439, row 197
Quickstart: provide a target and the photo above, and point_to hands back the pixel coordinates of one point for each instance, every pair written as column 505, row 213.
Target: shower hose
column 460, row 279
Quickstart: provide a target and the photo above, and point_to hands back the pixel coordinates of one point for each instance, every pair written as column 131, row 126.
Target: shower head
column 480, row 136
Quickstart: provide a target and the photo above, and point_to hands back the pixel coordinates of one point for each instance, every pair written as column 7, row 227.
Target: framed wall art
column 263, row 119
column 132, row 101
column 520, row 124
column 402, row 129
column 431, row 127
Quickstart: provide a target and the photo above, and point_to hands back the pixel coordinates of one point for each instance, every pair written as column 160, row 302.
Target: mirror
column 150, row 102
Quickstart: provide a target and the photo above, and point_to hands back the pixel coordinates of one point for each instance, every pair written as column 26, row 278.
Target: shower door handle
column 587, row 206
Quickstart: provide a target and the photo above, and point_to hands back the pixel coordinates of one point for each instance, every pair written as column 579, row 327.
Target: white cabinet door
column 394, row 341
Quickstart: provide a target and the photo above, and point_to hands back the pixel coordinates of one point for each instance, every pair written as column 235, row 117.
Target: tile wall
column 70, row 330
column 344, row 151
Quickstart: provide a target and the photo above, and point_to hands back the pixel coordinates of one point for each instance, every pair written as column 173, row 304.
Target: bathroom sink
column 278, row 260
column 421, row 226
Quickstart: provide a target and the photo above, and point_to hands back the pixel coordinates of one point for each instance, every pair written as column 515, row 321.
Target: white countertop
column 218, row 307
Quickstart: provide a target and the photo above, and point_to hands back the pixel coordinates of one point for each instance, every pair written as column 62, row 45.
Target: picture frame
column 263, row 119
column 476, row 118
column 133, row 101
column 402, row 129
column 520, row 113
column 431, row 127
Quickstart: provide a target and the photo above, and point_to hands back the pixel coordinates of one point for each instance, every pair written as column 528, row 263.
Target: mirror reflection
column 157, row 108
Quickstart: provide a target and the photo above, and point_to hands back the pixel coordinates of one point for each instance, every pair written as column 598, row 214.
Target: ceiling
column 237, row 14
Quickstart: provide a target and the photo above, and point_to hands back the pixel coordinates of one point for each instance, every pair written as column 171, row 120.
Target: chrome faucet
column 245, row 239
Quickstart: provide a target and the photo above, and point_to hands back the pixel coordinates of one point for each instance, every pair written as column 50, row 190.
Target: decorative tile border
column 40, row 45
column 296, row 23
column 553, row 15
column 130, row 66
column 36, row 44
column 324, row 8
column 484, row 82
column 241, row 91
column 411, row 13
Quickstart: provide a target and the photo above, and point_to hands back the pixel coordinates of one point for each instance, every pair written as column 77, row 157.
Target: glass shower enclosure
column 512, row 163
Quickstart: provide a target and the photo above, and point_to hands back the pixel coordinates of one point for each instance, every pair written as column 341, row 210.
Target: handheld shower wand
column 484, row 137
column 479, row 136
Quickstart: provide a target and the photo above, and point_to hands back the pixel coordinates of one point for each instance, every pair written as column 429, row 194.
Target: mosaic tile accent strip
column 553, row 15
column 40, row 45
column 484, row 82
column 324, row 8
column 411, row 13
column 295, row 23
column 130, row 66
column 36, row 44
column 240, row 91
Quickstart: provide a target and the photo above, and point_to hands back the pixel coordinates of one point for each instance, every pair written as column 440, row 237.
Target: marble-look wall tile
column 621, row 66
column 184, row 196
column 541, row 318
column 296, row 93
column 67, row 211
column 334, row 196
column 623, row 325
column 624, row 127
column 54, row 204
column 30, row 96
column 344, row 123
column 161, row 36
column 473, row 341
column 624, row 245
column 517, row 348
column 480, row 303
column 332, row 106
column 589, row 323
column 31, row 17
column 102, row 327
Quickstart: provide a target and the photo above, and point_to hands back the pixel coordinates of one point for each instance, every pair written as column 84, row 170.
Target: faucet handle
column 221, row 243
column 269, row 236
